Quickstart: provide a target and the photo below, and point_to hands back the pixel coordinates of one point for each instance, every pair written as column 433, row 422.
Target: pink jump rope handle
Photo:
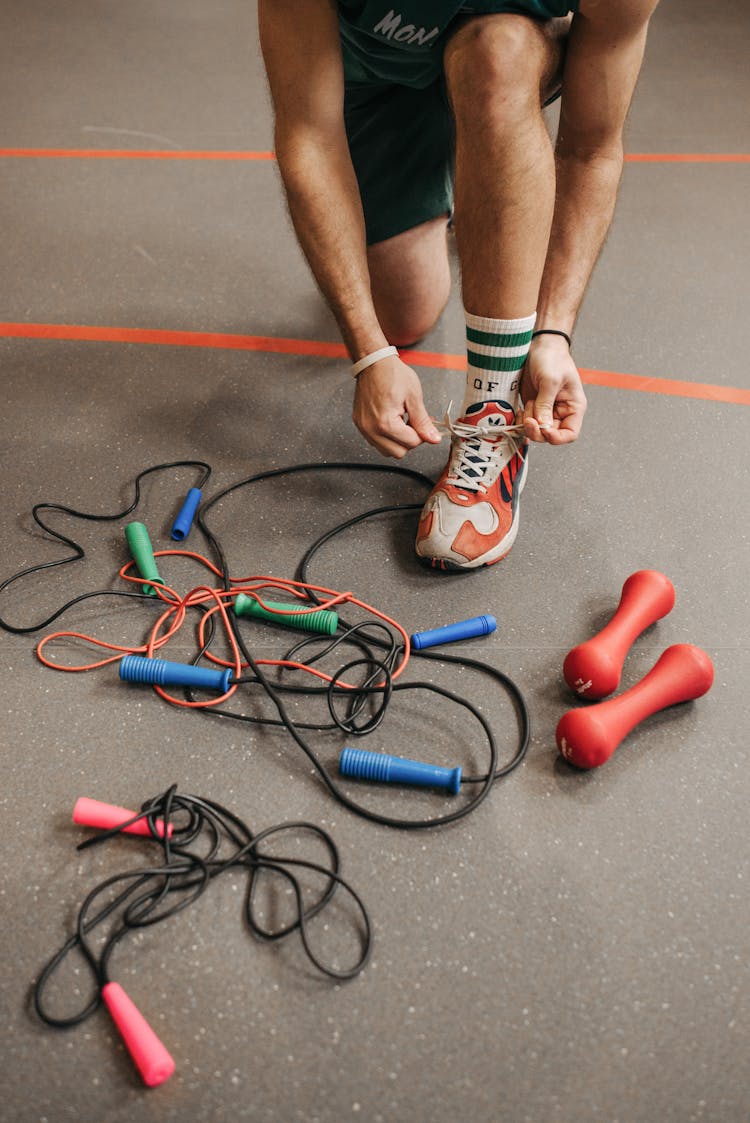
column 587, row 737
column 593, row 668
column 151, row 1058
column 105, row 816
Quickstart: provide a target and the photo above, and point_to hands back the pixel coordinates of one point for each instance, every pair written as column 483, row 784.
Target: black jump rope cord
column 187, row 874
column 143, row 894
column 78, row 551
column 274, row 691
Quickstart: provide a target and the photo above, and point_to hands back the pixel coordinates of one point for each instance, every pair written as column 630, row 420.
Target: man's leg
column 411, row 281
column 499, row 69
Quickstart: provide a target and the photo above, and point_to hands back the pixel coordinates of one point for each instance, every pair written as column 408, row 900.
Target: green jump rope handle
column 323, row 620
column 143, row 555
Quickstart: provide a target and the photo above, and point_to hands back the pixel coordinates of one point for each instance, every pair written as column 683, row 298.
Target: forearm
column 604, row 56
column 325, row 208
column 586, row 192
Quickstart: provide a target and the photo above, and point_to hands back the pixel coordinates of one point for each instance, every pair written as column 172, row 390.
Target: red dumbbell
column 593, row 668
column 587, row 737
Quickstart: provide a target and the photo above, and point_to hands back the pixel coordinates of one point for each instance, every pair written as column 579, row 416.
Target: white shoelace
column 476, row 450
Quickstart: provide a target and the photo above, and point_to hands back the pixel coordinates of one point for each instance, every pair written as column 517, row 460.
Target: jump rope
column 198, row 839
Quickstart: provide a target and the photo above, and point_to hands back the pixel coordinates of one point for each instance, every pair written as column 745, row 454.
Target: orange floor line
column 613, row 379
column 321, row 349
column 677, row 388
column 167, row 338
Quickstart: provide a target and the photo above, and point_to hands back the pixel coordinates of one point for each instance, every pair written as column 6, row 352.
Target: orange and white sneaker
column 471, row 516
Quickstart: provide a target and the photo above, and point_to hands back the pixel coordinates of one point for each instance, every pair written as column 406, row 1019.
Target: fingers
column 562, row 427
column 395, row 435
column 556, row 434
column 389, row 409
column 555, row 403
column 421, row 422
column 393, row 439
column 539, row 412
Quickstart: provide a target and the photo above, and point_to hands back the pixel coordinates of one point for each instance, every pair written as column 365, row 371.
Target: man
column 390, row 119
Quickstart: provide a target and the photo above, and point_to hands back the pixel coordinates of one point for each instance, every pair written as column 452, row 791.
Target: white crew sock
column 496, row 352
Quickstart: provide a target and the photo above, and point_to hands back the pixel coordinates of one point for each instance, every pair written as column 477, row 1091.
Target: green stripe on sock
column 495, row 362
column 489, row 339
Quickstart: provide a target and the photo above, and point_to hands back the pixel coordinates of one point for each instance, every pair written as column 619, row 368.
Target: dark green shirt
column 404, row 44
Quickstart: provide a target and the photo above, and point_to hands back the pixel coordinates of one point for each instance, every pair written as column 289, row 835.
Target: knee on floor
column 404, row 328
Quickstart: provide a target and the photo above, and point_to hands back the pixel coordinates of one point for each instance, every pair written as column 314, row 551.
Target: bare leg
column 410, row 278
column 498, row 69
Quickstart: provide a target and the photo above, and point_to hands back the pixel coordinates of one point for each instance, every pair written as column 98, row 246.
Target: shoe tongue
column 490, row 415
column 474, row 463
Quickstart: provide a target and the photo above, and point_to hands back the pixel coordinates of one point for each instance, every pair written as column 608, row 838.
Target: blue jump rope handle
column 464, row 629
column 387, row 769
column 160, row 672
column 183, row 523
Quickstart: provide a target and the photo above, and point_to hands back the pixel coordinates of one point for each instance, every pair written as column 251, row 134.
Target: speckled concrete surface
column 576, row 950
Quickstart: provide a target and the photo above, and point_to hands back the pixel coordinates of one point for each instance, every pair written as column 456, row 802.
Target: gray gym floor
column 574, row 950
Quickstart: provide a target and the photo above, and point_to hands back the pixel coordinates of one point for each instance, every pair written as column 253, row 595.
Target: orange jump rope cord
column 176, row 613
column 146, row 649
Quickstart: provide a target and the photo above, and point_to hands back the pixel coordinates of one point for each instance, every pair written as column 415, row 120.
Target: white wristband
column 370, row 360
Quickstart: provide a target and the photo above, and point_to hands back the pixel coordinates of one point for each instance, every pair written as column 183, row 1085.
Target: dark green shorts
column 402, row 145
column 401, row 142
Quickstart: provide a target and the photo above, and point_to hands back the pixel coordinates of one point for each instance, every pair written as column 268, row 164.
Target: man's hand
column 389, row 410
column 551, row 390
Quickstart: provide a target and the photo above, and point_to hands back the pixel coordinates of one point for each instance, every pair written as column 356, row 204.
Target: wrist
column 373, row 357
column 362, row 339
column 553, row 333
